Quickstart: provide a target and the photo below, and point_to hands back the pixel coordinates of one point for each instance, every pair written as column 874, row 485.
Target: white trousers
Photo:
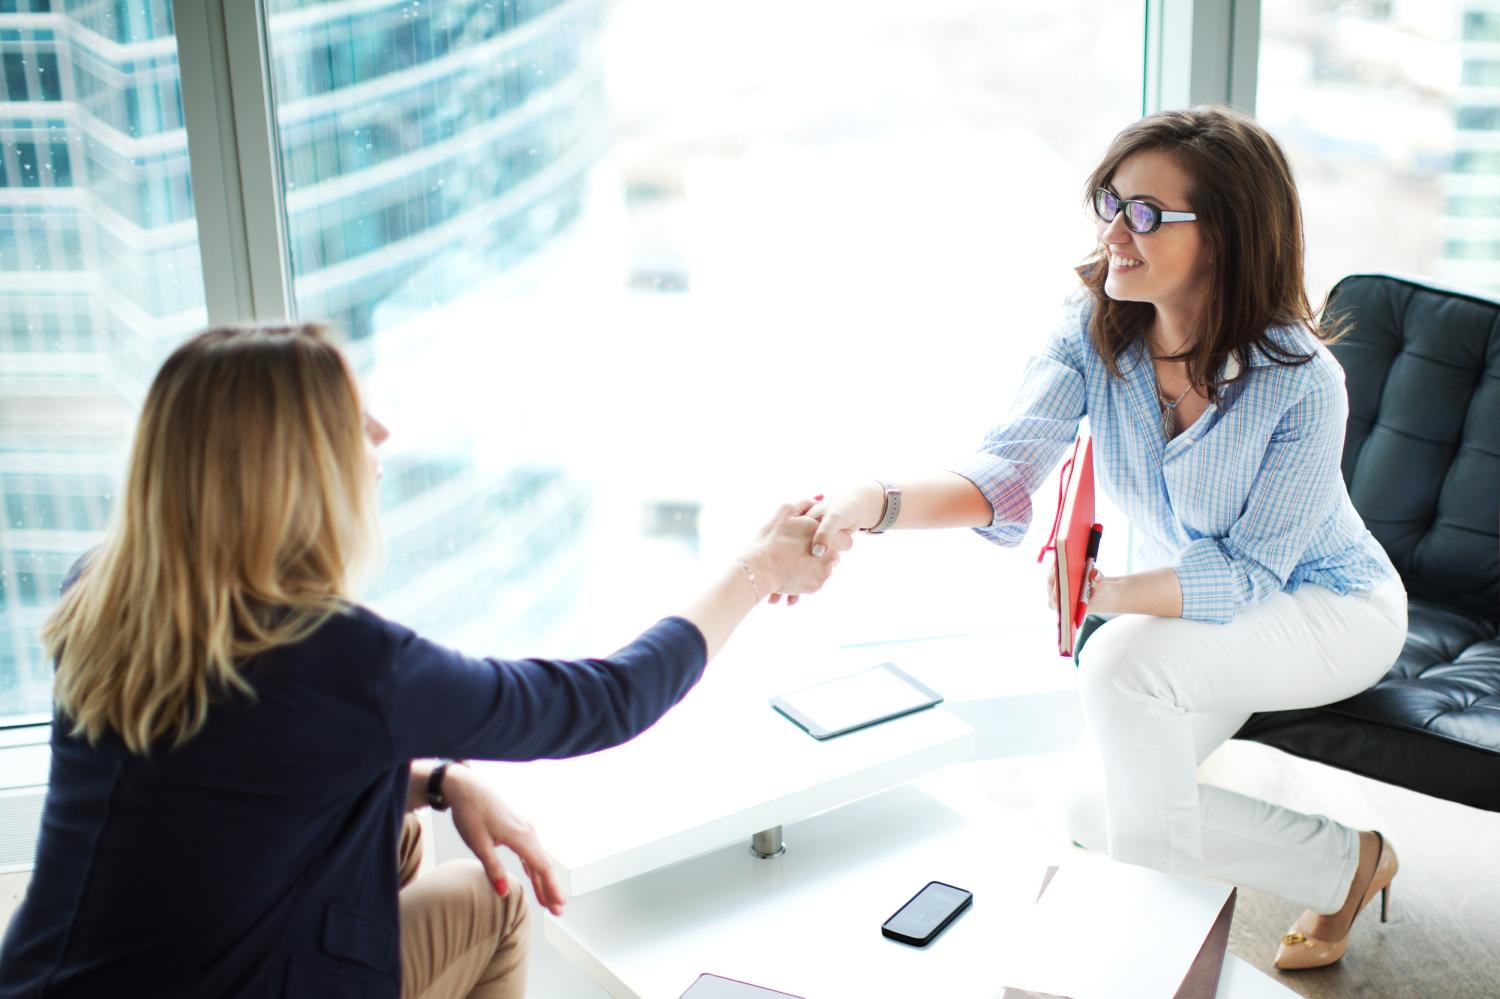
column 1160, row 694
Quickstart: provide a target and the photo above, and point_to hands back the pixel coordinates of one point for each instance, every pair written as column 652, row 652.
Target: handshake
column 799, row 547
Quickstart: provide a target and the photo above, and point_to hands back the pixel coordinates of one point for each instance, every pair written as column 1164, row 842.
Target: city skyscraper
column 1471, row 190
column 405, row 130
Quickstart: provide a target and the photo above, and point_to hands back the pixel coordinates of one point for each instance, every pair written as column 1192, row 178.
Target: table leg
column 767, row 843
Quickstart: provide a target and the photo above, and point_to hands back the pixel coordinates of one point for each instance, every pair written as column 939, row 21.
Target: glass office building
column 403, row 133
column 99, row 271
column 474, row 124
column 1471, row 202
column 426, row 152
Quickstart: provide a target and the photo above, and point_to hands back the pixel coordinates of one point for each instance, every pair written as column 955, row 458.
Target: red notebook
column 1074, row 539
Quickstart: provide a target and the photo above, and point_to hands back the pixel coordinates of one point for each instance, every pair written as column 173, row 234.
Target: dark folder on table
column 1074, row 539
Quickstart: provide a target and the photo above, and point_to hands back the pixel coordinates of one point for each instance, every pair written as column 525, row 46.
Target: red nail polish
column 819, row 497
column 500, row 886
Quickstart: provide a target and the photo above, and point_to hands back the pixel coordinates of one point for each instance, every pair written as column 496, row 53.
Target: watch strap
column 891, row 511
column 435, row 796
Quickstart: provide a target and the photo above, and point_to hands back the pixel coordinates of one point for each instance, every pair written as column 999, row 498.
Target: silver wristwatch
column 892, row 509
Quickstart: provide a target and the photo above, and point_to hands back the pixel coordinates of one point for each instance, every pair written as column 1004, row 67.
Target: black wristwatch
column 435, row 796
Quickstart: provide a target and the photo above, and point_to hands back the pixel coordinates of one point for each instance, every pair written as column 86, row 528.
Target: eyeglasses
column 1140, row 216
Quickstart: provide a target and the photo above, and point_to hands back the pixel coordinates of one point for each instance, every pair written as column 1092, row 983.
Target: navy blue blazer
column 259, row 858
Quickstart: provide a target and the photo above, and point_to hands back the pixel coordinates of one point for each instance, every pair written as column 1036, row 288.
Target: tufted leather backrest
column 1422, row 452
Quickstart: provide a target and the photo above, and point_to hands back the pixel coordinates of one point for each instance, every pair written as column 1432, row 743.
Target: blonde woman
column 235, row 738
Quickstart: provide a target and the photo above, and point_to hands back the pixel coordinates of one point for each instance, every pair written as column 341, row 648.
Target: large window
column 1390, row 113
column 99, row 275
column 620, row 276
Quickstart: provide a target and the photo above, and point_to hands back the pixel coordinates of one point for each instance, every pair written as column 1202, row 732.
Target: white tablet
column 856, row 701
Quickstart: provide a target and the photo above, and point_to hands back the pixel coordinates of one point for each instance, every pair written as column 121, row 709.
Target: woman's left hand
column 1095, row 593
column 485, row 822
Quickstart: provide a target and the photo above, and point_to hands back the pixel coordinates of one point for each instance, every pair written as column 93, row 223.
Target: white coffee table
column 652, row 839
column 717, row 769
column 808, row 922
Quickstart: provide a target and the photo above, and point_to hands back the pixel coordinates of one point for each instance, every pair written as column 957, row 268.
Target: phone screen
column 924, row 913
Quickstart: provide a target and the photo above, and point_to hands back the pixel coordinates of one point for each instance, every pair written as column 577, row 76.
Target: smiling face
column 1170, row 267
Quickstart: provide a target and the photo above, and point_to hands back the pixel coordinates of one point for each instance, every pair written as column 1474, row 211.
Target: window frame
column 223, row 56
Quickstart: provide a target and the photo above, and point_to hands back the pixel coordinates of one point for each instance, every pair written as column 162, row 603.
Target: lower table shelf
column 808, row 922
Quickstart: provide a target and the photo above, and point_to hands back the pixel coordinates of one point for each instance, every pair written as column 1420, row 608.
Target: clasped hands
column 838, row 517
column 797, row 550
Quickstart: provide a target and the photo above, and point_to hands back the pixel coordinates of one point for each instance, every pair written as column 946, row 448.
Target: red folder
column 1069, row 543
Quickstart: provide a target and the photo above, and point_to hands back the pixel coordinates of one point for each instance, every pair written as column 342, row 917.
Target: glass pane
column 621, row 276
column 99, row 277
column 1390, row 113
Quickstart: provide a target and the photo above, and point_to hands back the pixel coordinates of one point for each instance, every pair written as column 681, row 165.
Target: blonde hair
column 249, row 504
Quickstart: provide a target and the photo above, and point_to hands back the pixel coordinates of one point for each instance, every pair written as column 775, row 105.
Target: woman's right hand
column 845, row 512
column 781, row 555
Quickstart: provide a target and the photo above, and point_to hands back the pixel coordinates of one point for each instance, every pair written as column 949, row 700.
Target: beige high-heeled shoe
column 1301, row 948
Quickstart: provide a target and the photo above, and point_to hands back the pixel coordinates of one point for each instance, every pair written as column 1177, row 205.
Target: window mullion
column 1201, row 52
column 232, row 148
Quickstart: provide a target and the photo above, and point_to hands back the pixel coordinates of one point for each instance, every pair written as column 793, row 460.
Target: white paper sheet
column 1106, row 930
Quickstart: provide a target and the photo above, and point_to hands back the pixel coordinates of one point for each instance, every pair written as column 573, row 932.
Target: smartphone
column 924, row 916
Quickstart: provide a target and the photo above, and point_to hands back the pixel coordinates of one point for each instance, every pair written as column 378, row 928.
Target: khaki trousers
column 460, row 939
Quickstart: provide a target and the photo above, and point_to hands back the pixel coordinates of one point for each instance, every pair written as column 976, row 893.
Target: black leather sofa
column 1422, row 463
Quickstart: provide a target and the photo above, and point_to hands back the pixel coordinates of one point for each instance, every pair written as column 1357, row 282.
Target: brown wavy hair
column 249, row 503
column 1251, row 221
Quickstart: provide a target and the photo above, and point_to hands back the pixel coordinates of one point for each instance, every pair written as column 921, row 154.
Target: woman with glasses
column 1218, row 422
column 237, row 740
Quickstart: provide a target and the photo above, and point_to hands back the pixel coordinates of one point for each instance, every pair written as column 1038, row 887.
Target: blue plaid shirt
column 1247, row 501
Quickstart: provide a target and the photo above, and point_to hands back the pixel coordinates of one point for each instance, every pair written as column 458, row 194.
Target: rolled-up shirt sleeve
column 1020, row 452
column 1292, row 497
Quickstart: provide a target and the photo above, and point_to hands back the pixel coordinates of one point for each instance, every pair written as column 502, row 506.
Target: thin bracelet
column 750, row 574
